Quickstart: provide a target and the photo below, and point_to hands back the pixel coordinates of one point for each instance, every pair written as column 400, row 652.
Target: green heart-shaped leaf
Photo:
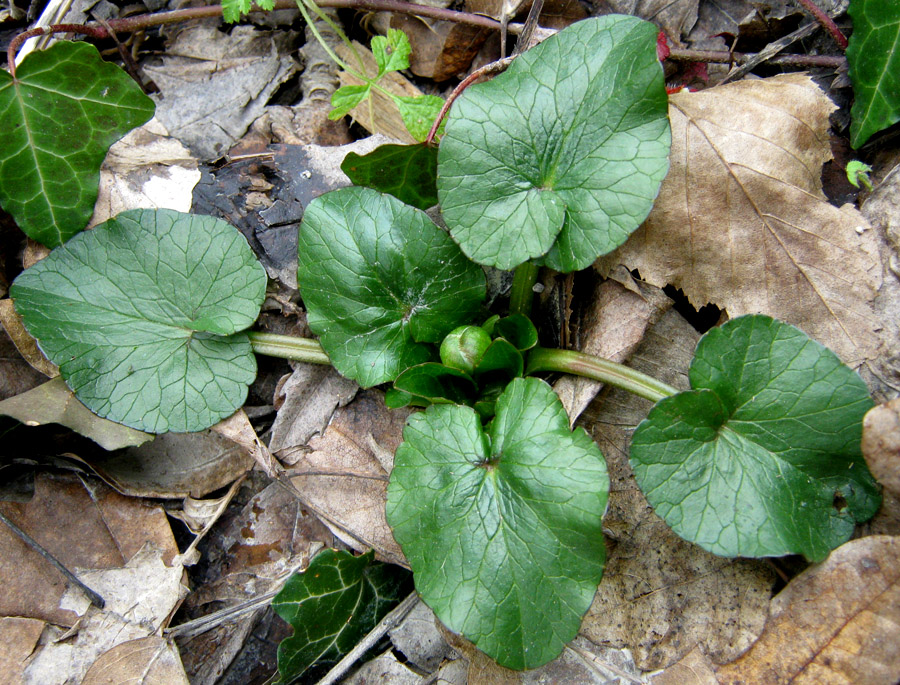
column 563, row 154
column 58, row 118
column 331, row 606
column 762, row 457
column 502, row 529
column 873, row 60
column 142, row 314
column 379, row 279
column 408, row 172
column 436, row 383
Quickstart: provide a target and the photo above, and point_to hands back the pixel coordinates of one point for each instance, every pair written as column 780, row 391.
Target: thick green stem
column 521, row 296
column 595, row 368
column 288, row 347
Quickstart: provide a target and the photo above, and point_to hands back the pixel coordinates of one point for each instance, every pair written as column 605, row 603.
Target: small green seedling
column 858, row 173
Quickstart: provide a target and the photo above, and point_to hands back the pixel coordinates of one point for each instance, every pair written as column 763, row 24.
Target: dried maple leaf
column 741, row 219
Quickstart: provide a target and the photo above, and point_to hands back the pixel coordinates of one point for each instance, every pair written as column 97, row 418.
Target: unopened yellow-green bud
column 464, row 347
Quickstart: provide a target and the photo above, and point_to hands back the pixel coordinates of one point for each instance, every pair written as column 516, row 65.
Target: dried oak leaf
column 741, row 219
column 881, row 444
column 834, row 624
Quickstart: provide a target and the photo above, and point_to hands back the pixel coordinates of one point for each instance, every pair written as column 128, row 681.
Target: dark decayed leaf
column 502, row 528
column 58, row 118
column 762, row 457
column 873, row 59
column 331, row 606
column 563, row 154
column 379, row 279
column 142, row 315
column 408, row 172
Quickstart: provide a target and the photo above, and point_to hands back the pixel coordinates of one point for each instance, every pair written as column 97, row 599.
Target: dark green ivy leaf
column 408, row 172
column 562, row 155
column 142, row 315
column 873, row 59
column 762, row 457
column 502, row 528
column 331, row 607
column 379, row 279
column 58, row 118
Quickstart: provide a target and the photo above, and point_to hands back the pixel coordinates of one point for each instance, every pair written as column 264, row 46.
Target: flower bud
column 464, row 347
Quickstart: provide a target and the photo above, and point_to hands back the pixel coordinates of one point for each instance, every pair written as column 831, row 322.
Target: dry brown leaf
column 87, row 526
column 694, row 669
column 147, row 661
column 612, row 328
column 440, row 49
column 16, row 375
column 675, row 17
column 238, row 429
column 53, row 402
column 307, row 400
column 174, row 465
column 881, row 444
column 18, row 638
column 660, row 595
column 146, row 169
column 741, row 220
column 837, row 623
column 357, row 448
column 26, row 345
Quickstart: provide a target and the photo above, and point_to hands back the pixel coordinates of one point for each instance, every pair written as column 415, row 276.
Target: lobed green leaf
column 502, row 529
column 142, row 315
column 762, row 457
column 58, row 118
column 561, row 156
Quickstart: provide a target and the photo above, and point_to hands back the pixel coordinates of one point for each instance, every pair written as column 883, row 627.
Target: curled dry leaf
column 357, row 448
column 23, row 341
column 741, row 219
column 835, row 623
column 881, row 444
column 660, row 595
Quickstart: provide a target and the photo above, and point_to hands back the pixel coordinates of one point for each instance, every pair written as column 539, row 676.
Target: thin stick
column 826, row 22
column 95, row 598
column 387, row 623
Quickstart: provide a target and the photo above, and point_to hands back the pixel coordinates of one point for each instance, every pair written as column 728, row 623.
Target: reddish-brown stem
column 826, row 22
column 724, row 57
column 486, row 70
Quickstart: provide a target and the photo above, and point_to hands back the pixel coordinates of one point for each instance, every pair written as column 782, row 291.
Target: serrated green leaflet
column 873, row 58
column 142, row 315
column 346, row 98
column 408, row 172
column 502, row 529
column 378, row 279
column 563, row 154
column 331, row 607
column 762, row 457
column 58, row 118
column 418, row 113
column 391, row 52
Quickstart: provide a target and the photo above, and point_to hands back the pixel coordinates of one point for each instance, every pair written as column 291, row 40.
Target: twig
column 826, row 22
column 724, row 57
column 95, row 598
column 387, row 623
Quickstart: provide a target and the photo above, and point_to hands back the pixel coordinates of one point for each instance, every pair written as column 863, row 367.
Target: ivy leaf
column 762, row 457
column 502, row 529
column 418, row 113
column 346, row 98
column 391, row 52
column 379, row 279
column 58, row 118
column 142, row 314
column 873, row 58
column 408, row 172
column 574, row 138
column 331, row 607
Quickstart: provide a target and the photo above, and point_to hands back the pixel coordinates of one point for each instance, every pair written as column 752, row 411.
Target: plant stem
column 826, row 22
column 598, row 369
column 288, row 347
column 521, row 297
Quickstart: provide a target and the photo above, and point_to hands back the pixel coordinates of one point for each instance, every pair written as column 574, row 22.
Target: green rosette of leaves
column 380, row 282
column 560, row 157
column 762, row 457
column 502, row 526
column 143, row 315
